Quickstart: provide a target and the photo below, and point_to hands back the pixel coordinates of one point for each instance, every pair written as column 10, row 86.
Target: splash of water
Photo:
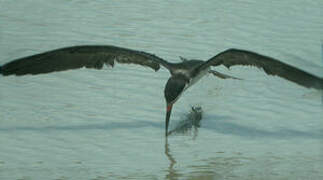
column 191, row 122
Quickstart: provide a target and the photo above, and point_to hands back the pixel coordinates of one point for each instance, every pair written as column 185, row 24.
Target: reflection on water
column 172, row 173
column 224, row 165
column 218, row 167
column 190, row 123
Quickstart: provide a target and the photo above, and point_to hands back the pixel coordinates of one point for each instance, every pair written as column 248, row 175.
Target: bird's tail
column 0, row 69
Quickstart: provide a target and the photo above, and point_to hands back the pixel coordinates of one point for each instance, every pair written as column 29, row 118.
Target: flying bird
column 183, row 74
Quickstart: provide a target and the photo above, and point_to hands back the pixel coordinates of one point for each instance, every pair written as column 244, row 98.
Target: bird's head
column 173, row 89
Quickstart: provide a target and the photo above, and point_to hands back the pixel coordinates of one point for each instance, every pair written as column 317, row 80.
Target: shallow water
column 109, row 124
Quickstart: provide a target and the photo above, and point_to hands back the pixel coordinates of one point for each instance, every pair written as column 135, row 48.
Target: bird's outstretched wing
column 270, row 65
column 89, row 56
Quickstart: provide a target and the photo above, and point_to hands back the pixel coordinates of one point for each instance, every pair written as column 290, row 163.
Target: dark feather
column 80, row 56
column 174, row 87
column 270, row 65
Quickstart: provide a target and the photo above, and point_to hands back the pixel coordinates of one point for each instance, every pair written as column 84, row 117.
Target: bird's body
column 183, row 75
column 186, row 68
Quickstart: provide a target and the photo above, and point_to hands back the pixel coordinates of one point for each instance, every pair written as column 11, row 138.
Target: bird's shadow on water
column 191, row 122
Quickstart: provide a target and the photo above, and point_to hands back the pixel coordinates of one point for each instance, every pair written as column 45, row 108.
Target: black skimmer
column 183, row 74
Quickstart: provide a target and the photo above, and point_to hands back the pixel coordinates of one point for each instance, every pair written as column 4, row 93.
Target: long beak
column 168, row 112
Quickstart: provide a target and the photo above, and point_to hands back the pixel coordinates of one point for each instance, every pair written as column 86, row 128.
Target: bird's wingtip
column 2, row 71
